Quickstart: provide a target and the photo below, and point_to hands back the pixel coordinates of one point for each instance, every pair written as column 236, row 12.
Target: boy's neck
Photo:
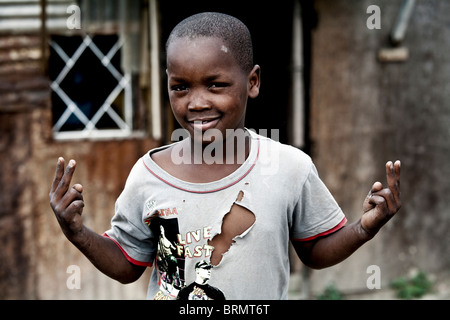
column 179, row 160
column 231, row 150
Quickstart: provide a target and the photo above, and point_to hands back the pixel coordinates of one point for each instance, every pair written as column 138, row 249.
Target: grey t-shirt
column 166, row 222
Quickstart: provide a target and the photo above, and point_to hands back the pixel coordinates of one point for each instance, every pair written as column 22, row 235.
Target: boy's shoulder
column 283, row 157
column 286, row 151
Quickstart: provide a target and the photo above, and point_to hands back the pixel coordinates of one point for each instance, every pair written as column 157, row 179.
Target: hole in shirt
column 235, row 223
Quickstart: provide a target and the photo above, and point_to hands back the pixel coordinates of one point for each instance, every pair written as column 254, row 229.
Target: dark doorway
column 271, row 27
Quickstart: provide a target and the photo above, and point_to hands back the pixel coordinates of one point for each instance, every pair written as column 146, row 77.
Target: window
column 91, row 95
column 105, row 76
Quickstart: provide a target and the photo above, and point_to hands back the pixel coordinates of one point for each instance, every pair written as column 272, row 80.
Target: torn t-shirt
column 168, row 223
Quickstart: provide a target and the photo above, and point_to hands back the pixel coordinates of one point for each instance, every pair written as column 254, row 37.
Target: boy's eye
column 179, row 87
column 218, row 85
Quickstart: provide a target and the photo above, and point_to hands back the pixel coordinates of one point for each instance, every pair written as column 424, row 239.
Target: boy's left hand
column 381, row 204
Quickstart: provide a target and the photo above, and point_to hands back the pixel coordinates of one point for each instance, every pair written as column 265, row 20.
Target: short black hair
column 203, row 264
column 214, row 24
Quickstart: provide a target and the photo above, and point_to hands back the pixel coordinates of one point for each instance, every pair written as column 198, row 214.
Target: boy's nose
column 198, row 103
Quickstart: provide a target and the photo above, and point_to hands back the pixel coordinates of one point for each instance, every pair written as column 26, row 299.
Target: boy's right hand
column 67, row 203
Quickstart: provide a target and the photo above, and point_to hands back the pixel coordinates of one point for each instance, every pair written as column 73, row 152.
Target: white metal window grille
column 91, row 69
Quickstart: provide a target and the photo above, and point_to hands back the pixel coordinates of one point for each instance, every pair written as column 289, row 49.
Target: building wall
column 35, row 255
column 365, row 112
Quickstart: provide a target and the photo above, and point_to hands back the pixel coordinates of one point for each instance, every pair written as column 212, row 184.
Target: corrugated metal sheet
column 25, row 16
column 20, row 58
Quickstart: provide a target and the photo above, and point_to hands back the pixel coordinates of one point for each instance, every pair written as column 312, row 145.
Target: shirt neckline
column 207, row 187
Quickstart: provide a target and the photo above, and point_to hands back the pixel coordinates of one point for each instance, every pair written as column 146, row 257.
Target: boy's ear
column 254, row 82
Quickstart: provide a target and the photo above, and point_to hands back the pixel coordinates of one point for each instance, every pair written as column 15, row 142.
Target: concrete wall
column 365, row 112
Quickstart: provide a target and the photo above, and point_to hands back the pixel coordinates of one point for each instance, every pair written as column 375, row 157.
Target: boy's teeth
column 203, row 121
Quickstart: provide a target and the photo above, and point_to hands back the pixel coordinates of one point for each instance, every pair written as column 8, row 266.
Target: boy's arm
column 380, row 205
column 67, row 204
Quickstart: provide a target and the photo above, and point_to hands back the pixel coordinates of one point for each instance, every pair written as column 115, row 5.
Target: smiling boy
column 236, row 215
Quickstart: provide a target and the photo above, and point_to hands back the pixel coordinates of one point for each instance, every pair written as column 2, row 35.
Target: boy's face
column 207, row 87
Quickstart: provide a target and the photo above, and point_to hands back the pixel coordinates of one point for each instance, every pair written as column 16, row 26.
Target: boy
column 223, row 203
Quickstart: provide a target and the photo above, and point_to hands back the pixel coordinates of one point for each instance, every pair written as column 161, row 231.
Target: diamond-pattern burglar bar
column 90, row 123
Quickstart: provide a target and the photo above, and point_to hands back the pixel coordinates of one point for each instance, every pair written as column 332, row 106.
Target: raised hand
column 67, row 203
column 381, row 204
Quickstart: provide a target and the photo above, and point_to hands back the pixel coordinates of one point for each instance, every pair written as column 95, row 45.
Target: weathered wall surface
column 34, row 254
column 365, row 112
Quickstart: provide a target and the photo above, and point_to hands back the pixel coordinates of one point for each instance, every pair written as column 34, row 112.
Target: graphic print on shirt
column 200, row 289
column 173, row 249
column 169, row 259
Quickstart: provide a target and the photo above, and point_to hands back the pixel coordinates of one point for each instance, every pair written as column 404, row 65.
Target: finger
column 72, row 195
column 76, row 206
column 74, row 220
column 70, row 219
column 379, row 201
column 391, row 203
column 377, row 186
column 58, row 174
column 64, row 184
column 390, row 175
column 393, row 179
column 78, row 187
column 397, row 166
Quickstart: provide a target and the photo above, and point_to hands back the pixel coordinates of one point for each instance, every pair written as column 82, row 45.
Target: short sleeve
column 317, row 212
column 128, row 230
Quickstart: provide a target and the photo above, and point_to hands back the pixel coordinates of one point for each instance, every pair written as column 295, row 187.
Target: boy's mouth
column 204, row 124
